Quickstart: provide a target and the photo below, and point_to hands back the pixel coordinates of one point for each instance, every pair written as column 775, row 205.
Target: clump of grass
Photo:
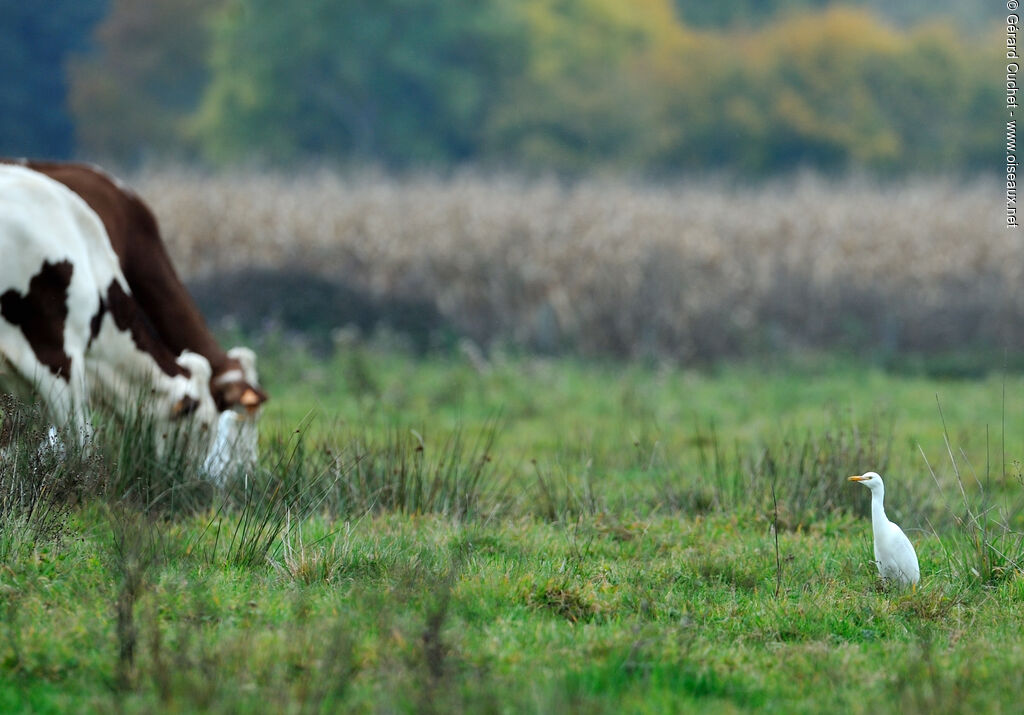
column 809, row 470
column 154, row 464
column 728, row 571
column 317, row 561
column 43, row 473
column 794, row 481
column 562, row 495
column 564, row 598
column 134, row 552
column 259, row 522
column 985, row 546
column 926, row 682
column 565, row 593
column 407, row 473
column 722, row 482
column 258, row 507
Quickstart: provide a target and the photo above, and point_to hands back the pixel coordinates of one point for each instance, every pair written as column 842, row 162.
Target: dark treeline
column 651, row 86
column 36, row 39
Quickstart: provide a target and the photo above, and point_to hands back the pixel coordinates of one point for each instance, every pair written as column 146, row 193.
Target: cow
column 135, row 237
column 71, row 330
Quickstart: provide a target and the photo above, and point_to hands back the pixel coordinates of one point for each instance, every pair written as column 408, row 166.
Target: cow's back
column 130, row 226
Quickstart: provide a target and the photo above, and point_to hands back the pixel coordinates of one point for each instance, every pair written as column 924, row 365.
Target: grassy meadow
column 518, row 513
column 546, row 535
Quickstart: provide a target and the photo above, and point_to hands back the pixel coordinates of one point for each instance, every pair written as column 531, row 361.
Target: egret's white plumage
column 894, row 554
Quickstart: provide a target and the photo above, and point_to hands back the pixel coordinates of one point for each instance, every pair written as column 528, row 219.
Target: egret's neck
column 877, row 508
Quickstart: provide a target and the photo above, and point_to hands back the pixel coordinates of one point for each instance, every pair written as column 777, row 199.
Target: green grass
column 538, row 536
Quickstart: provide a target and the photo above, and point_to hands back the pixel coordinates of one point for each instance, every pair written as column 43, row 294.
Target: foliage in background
column 568, row 86
column 584, row 97
column 133, row 95
column 35, row 40
column 833, row 90
column 397, row 81
column 971, row 14
column 740, row 13
column 596, row 83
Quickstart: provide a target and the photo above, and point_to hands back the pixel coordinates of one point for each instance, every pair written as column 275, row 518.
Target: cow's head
column 177, row 405
column 229, row 438
column 191, row 396
column 238, row 387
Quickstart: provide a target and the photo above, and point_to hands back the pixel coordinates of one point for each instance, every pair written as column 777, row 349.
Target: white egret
column 894, row 554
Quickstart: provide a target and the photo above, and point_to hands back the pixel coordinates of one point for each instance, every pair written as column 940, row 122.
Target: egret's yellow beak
column 856, row 478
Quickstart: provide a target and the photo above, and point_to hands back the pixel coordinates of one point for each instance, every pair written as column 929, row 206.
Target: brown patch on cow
column 227, row 395
column 128, row 317
column 97, row 321
column 41, row 314
column 230, row 394
column 184, row 407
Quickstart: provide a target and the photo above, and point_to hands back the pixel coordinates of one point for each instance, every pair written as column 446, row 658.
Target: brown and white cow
column 134, row 234
column 70, row 329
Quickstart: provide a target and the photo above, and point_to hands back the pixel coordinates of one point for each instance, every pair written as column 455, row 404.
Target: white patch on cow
column 247, row 358
column 198, row 381
column 229, row 376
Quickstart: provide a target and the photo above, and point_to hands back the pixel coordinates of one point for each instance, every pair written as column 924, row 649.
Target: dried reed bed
column 692, row 270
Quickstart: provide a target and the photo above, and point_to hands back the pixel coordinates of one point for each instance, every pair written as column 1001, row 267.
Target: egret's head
column 871, row 480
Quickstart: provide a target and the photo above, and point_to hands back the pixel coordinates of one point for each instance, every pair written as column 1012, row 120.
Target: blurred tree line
column 565, row 85
column 35, row 38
